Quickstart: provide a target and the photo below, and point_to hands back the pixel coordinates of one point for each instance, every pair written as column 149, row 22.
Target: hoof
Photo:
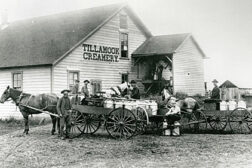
column 53, row 133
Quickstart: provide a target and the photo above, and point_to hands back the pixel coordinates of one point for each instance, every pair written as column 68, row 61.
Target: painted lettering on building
column 100, row 53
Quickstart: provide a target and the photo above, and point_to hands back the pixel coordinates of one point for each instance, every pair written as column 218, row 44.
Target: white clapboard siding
column 35, row 80
column 108, row 72
column 188, row 69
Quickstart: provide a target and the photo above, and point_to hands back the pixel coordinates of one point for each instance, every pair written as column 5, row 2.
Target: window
column 96, row 86
column 125, row 78
column 123, row 22
column 17, row 80
column 124, row 45
column 72, row 76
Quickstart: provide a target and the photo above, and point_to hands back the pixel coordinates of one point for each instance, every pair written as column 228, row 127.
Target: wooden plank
column 92, row 109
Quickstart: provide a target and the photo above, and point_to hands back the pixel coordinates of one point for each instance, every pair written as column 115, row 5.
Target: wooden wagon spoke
column 129, row 128
column 239, row 121
column 116, row 118
column 129, row 121
column 126, row 130
column 118, row 128
column 113, row 126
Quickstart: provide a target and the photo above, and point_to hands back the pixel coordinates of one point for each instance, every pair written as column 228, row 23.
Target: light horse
column 189, row 105
column 118, row 91
column 46, row 102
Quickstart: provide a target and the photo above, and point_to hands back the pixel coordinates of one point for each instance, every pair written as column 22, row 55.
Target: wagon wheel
column 91, row 123
column 76, row 120
column 197, row 121
column 121, row 123
column 240, row 121
column 217, row 122
column 142, row 120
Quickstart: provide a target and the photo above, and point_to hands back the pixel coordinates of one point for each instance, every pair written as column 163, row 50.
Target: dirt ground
column 40, row 149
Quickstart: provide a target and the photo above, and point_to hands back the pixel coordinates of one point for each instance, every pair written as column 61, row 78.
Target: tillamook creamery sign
column 100, row 53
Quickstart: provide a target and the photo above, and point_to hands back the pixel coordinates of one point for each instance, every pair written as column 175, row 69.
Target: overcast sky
column 223, row 28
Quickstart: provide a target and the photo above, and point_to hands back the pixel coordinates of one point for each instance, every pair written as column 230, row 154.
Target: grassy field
column 12, row 124
column 40, row 149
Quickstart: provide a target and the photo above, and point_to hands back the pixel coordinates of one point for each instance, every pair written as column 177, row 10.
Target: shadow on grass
column 13, row 122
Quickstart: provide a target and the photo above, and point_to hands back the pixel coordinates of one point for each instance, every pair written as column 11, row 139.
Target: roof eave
column 195, row 42
column 26, row 66
column 124, row 5
column 150, row 54
column 87, row 36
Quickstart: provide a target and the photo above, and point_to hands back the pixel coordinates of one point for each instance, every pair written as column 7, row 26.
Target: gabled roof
column 164, row 44
column 45, row 40
column 228, row 84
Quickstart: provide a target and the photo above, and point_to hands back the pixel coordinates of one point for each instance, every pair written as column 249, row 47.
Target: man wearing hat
column 75, row 88
column 84, row 89
column 63, row 108
column 135, row 93
column 85, row 92
column 216, row 91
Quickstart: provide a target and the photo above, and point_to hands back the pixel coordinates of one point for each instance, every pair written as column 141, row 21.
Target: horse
column 47, row 102
column 118, row 91
column 188, row 104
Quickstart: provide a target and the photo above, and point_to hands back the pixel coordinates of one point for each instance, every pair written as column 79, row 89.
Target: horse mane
column 15, row 92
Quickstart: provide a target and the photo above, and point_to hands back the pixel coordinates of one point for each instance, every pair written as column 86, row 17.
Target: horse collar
column 19, row 98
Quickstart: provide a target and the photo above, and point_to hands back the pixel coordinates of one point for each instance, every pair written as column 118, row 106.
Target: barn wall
column 108, row 72
column 35, row 80
column 188, row 69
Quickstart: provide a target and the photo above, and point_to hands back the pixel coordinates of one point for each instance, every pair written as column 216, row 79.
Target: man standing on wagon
column 63, row 108
column 216, row 91
column 215, row 95
column 75, row 89
column 85, row 92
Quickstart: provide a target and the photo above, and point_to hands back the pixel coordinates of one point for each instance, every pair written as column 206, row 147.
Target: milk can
column 232, row 105
column 223, row 106
column 109, row 104
column 241, row 104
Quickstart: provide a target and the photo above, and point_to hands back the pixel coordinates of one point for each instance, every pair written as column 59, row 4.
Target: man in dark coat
column 216, row 91
column 63, row 108
column 216, row 94
column 135, row 93
column 75, row 89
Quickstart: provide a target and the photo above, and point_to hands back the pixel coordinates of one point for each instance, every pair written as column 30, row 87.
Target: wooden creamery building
column 106, row 45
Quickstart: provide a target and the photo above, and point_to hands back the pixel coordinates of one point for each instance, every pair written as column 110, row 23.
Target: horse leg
column 54, row 120
column 26, row 122
column 58, row 125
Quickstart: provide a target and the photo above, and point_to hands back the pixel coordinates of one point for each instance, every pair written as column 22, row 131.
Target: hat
column 77, row 80
column 215, row 81
column 65, row 90
column 86, row 81
column 133, row 82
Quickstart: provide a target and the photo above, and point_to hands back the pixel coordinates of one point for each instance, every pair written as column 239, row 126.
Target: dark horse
column 45, row 102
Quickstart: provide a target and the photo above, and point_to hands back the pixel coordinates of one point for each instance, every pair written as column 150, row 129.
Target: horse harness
column 27, row 102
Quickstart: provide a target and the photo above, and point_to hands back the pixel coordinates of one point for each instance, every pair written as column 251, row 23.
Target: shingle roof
column 228, row 84
column 164, row 44
column 43, row 40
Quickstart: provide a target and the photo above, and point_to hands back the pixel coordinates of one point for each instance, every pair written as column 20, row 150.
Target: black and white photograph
column 125, row 83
